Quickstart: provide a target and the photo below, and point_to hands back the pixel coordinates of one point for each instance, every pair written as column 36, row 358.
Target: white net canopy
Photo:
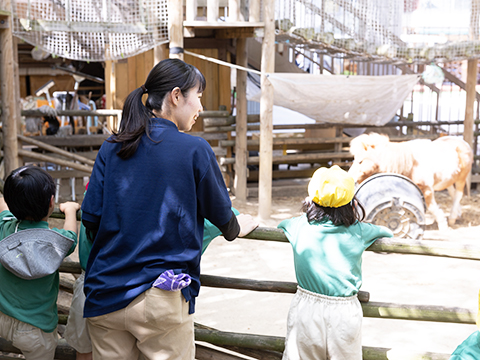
column 400, row 30
column 91, row 30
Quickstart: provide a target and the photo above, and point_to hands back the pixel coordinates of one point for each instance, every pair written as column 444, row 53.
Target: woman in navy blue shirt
column 151, row 188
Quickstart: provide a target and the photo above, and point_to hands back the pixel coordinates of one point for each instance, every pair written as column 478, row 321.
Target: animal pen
column 344, row 38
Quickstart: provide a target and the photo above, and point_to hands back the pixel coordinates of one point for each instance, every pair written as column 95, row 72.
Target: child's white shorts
column 323, row 327
column 76, row 332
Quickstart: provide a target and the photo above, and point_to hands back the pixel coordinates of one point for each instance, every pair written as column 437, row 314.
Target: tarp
column 341, row 99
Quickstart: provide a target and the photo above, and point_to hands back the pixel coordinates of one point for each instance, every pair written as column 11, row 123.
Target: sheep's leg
column 433, row 207
column 456, row 210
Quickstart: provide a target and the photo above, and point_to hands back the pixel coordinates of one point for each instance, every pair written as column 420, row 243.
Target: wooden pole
column 175, row 28
column 241, row 154
column 160, row 53
column 54, row 149
column 469, row 108
column 380, row 310
column 259, row 285
column 419, row 312
column 110, row 90
column 9, row 78
column 191, row 10
column 273, row 343
column 266, row 112
column 212, row 10
column 238, row 341
column 470, row 88
column 234, row 13
column 46, row 158
column 390, row 245
column 254, row 15
column 394, row 245
column 16, row 75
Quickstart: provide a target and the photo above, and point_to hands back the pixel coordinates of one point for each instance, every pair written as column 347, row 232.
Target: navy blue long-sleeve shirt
column 150, row 211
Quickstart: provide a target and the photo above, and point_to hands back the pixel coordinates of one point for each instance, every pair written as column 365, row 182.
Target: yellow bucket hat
column 331, row 187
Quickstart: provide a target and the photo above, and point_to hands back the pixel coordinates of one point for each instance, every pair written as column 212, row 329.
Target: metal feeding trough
column 393, row 201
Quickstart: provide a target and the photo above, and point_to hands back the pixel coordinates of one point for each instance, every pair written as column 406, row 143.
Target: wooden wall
column 62, row 83
column 217, row 76
column 131, row 73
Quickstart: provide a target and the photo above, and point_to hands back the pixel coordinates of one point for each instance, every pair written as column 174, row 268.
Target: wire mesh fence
column 91, row 30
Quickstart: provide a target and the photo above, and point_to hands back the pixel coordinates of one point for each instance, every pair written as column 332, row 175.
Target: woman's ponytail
column 135, row 120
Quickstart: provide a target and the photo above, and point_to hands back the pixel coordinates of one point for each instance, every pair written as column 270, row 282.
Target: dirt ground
column 392, row 278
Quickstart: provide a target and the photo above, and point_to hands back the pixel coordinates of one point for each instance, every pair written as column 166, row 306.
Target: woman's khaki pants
column 156, row 324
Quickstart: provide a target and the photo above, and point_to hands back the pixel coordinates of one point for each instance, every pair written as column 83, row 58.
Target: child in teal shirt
column 470, row 348
column 28, row 307
column 325, row 317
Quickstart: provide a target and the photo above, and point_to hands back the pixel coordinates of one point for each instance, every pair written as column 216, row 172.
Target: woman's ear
column 175, row 95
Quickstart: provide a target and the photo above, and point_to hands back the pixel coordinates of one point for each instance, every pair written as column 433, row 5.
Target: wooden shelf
column 222, row 25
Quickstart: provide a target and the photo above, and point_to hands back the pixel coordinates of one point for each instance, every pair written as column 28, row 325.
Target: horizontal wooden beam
column 293, row 159
column 330, row 125
column 67, row 174
column 224, row 338
column 206, row 43
column 74, row 140
column 232, row 340
column 259, row 285
column 222, row 24
column 85, row 26
column 235, row 33
column 391, row 245
column 56, row 150
column 284, row 174
column 214, row 114
column 41, row 157
column 99, row 112
column 419, row 312
column 374, row 353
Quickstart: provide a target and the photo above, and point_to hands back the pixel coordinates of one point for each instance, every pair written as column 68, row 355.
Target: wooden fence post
column 241, row 153
column 9, row 78
column 175, row 28
column 266, row 113
column 469, row 111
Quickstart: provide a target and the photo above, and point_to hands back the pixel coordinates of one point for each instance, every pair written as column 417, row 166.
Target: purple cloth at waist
column 171, row 282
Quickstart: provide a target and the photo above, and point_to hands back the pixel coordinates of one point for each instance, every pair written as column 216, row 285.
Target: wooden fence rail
column 390, row 245
column 271, row 347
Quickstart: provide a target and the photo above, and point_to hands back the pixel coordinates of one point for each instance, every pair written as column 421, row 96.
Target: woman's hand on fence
column 247, row 224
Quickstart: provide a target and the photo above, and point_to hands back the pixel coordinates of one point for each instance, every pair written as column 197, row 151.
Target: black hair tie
column 144, row 89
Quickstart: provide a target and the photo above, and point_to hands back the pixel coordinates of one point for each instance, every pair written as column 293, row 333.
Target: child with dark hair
column 28, row 303
column 325, row 317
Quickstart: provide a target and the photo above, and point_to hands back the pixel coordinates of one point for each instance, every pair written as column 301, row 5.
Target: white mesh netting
column 406, row 30
column 91, row 30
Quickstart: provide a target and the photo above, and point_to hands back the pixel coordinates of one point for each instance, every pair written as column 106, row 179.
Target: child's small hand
column 247, row 224
column 69, row 206
column 70, row 209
